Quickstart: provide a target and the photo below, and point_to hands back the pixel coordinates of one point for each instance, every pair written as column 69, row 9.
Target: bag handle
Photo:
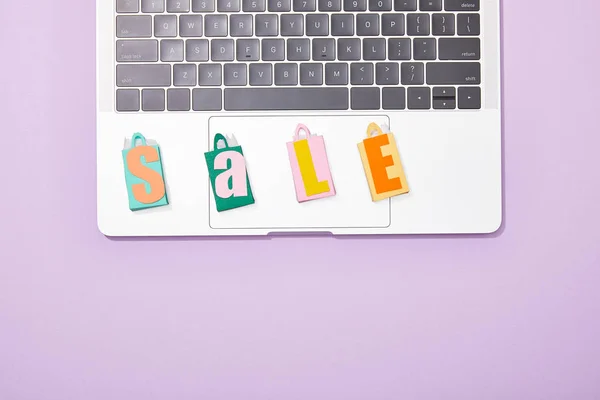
column 138, row 136
column 373, row 127
column 219, row 137
column 301, row 127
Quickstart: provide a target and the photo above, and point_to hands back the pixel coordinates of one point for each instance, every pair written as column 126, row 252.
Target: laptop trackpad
column 264, row 143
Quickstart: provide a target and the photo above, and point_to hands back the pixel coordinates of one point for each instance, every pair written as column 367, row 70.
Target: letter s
column 137, row 169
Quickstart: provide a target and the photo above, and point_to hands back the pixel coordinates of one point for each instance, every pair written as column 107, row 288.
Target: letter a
column 236, row 173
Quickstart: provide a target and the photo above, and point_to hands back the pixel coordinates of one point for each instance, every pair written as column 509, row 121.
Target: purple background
column 511, row 316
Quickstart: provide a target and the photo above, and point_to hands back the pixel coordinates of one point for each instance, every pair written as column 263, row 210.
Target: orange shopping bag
column 382, row 164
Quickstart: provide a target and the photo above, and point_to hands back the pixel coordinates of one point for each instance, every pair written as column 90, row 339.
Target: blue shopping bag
column 144, row 175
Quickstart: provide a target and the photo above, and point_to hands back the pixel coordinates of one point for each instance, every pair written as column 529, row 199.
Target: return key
column 459, row 49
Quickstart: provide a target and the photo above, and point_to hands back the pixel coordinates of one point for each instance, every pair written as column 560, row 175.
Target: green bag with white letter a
column 228, row 176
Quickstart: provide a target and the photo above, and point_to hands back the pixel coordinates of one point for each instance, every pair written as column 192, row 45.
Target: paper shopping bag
column 228, row 175
column 382, row 164
column 144, row 175
column 310, row 167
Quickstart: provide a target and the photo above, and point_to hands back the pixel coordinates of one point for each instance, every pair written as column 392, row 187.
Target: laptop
column 181, row 72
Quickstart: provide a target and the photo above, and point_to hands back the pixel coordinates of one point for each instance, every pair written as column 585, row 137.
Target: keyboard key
column 393, row 98
column 234, row 74
column 412, row 74
column 228, row 6
column 165, row 25
column 342, row 25
column 380, row 5
column 424, row 49
column 405, row 5
column 171, row 50
column 302, row 98
column 153, row 100
column 349, row 49
column 443, row 24
column 468, row 24
column 399, row 49
column 128, row 100
column 430, row 5
column 240, row 25
column 392, row 24
column 444, row 98
column 196, row 50
column 355, row 5
column 374, row 49
column 361, row 73
column 247, row 50
column 460, row 49
column 367, row 24
column 298, row 49
column 137, row 50
column 143, row 75
column 419, row 98
column 190, row 25
column 330, row 5
column 292, row 25
column 254, row 5
column 447, row 92
column 178, row 99
column 453, row 73
column 305, row 5
column 221, row 49
column 387, row 74
column 203, row 6
column 323, row 49
column 279, row 5
column 317, row 24
column 266, row 25
column 462, row 5
column 153, row 6
column 184, row 75
column 444, row 103
column 336, row 74
column 286, row 74
column 215, row 25
column 206, row 99
column 178, row 6
column 273, row 50
column 209, row 75
column 311, row 74
column 469, row 98
column 365, row 98
column 134, row 26
column 417, row 24
column 260, row 74
column 127, row 6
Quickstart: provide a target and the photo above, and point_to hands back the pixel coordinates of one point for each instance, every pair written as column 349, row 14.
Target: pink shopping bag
column 310, row 167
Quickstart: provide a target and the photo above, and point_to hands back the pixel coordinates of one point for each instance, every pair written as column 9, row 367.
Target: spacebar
column 265, row 99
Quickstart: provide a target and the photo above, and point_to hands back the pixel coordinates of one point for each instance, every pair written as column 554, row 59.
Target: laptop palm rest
column 264, row 139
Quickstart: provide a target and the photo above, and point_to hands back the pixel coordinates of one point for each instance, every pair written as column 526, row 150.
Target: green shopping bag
column 228, row 175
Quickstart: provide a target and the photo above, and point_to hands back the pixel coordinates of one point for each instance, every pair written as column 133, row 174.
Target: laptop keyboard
column 264, row 55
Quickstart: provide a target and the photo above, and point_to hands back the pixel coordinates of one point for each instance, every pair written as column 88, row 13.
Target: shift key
column 453, row 73
column 143, row 75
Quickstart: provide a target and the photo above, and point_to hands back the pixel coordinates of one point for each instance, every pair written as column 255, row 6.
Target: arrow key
column 419, row 98
column 444, row 104
column 469, row 98
column 444, row 98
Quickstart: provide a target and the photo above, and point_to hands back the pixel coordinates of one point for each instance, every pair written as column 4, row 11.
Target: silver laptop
column 181, row 71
